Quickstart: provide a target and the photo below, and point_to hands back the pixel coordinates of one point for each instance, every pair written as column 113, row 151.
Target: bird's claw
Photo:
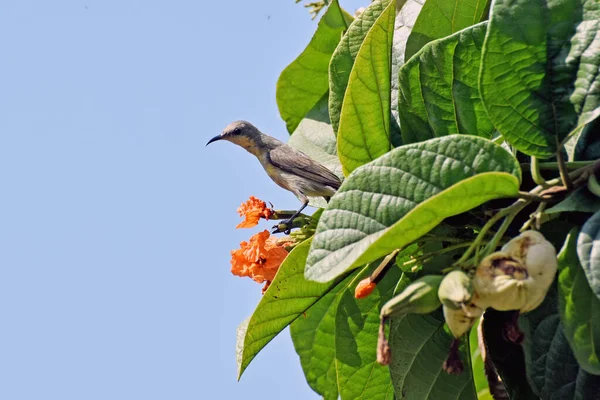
column 282, row 227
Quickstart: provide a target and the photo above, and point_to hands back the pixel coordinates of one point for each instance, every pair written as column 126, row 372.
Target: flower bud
column 420, row 297
column 462, row 319
column 455, row 290
column 364, row 288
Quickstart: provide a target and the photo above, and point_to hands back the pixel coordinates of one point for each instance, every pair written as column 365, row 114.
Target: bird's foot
column 283, row 226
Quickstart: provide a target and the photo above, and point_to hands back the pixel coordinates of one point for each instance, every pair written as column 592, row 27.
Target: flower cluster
column 253, row 210
column 259, row 258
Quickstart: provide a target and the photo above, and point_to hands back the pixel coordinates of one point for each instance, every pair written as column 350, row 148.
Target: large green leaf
column 420, row 344
column 344, row 56
column 405, row 20
column 438, row 89
column 397, row 198
column 552, row 369
column 337, row 340
column 441, row 18
column 302, row 83
column 314, row 340
column 364, row 131
column 356, row 331
column 579, row 308
column 588, row 250
column 539, row 74
column 288, row 296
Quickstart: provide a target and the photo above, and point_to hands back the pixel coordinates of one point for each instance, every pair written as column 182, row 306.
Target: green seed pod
column 461, row 320
column 420, row 297
column 455, row 290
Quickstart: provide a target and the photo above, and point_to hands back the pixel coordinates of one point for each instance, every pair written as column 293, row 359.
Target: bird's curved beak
column 218, row 137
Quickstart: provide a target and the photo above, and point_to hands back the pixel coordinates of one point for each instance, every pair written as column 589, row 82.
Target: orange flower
column 364, row 288
column 253, row 210
column 259, row 258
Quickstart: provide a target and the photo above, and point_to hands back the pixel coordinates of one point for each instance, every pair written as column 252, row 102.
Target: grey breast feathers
column 294, row 161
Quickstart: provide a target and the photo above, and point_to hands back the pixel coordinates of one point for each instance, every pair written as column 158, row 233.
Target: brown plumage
column 286, row 166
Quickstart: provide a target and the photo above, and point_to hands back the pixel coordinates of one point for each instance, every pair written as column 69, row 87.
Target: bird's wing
column 294, row 161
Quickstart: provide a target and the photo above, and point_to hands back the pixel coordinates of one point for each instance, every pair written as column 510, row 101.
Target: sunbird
column 289, row 168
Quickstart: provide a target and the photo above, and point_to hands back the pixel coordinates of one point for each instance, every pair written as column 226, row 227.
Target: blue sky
column 116, row 221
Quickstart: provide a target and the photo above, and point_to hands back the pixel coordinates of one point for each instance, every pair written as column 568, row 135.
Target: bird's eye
column 236, row 131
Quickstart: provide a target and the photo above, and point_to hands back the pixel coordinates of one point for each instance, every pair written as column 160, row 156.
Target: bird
column 286, row 166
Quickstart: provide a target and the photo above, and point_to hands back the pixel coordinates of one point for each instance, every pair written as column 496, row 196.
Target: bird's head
column 242, row 133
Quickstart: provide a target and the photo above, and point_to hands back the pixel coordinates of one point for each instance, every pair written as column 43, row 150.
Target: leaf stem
column 427, row 256
column 535, row 172
column 515, row 208
column 285, row 214
column 492, row 244
column 552, row 166
column 592, row 185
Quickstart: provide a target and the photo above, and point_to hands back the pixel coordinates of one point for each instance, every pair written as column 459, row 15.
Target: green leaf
column 588, row 248
column 356, row 332
column 288, row 296
column 405, row 20
column 314, row 340
column 581, row 200
column 419, row 346
column 438, row 89
column 551, row 366
column 364, row 131
column 302, row 83
column 399, row 197
column 579, row 308
column 344, row 56
column 239, row 343
column 337, row 339
column 441, row 18
column 539, row 73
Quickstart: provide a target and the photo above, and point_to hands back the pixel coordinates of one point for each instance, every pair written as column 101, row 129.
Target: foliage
column 455, row 125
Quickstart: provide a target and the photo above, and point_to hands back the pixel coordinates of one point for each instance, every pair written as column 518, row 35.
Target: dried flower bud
column 384, row 353
column 420, row 297
column 518, row 276
column 538, row 256
column 453, row 364
column 500, row 282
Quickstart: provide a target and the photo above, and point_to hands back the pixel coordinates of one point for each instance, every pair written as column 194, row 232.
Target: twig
column 562, row 169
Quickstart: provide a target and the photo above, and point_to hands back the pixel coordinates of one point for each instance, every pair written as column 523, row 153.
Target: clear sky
column 116, row 222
